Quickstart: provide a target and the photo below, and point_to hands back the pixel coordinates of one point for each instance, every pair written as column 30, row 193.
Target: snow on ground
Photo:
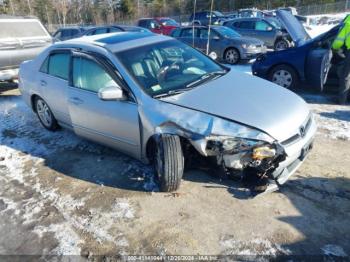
column 15, row 148
column 252, row 248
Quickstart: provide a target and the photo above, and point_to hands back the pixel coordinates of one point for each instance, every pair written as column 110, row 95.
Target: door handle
column 43, row 83
column 76, row 100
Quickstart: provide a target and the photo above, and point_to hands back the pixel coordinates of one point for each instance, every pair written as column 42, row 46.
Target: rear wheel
column 232, row 56
column 285, row 76
column 169, row 162
column 45, row 115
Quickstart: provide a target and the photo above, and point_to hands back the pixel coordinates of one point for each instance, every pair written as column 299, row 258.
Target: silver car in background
column 21, row 39
column 163, row 102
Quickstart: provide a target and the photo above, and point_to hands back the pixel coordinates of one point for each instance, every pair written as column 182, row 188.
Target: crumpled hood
column 248, row 100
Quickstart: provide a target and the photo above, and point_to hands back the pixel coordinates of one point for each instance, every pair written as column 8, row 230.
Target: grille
column 303, row 130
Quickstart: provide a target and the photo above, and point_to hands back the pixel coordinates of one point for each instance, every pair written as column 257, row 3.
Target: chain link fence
column 319, row 9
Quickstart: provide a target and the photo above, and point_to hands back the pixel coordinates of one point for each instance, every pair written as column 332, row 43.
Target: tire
column 281, row 44
column 45, row 115
column 285, row 76
column 169, row 162
column 232, row 56
column 318, row 64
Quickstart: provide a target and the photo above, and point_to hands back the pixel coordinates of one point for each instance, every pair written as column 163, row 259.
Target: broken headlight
column 258, row 149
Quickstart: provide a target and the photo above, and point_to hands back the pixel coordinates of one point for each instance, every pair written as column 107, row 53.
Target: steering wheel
column 165, row 69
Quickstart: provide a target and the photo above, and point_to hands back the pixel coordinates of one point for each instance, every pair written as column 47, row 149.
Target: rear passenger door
column 203, row 41
column 52, row 81
column 190, row 36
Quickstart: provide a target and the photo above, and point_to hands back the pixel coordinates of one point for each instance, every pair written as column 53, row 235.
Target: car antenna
column 194, row 16
column 211, row 12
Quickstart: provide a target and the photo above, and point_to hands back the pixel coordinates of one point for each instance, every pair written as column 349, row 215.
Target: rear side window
column 100, row 31
column 247, row 25
column 142, row 23
column 57, row 65
column 89, row 75
column 188, row 32
column 114, row 29
column 21, row 28
column 176, row 33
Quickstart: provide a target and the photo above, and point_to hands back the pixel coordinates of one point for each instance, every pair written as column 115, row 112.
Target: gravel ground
column 62, row 195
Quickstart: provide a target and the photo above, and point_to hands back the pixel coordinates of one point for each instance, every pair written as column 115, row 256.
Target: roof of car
column 116, row 41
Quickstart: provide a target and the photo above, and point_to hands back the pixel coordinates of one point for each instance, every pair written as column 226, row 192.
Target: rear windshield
column 21, row 29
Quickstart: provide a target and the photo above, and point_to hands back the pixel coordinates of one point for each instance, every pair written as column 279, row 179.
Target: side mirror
column 111, row 93
column 216, row 37
column 269, row 28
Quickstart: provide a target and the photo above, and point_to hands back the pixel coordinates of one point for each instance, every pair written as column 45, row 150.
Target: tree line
column 109, row 11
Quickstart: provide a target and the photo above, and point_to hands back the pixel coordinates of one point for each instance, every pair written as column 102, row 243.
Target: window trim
column 48, row 57
column 106, row 65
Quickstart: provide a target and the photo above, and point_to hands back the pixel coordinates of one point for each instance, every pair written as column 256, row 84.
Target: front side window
column 168, row 66
column 261, row 26
column 89, row 75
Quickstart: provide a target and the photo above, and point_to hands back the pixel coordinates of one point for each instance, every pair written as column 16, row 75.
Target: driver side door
column 112, row 123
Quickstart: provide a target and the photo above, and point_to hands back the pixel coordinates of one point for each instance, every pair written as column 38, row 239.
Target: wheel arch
column 32, row 101
column 152, row 142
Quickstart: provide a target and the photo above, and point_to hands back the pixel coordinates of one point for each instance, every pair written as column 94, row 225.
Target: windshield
column 168, row 66
column 21, row 28
column 168, row 22
column 227, row 32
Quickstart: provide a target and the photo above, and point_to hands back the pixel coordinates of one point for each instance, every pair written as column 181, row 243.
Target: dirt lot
column 60, row 194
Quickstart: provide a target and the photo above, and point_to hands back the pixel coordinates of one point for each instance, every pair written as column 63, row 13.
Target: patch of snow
column 67, row 238
column 255, row 247
column 22, row 139
column 333, row 250
column 333, row 120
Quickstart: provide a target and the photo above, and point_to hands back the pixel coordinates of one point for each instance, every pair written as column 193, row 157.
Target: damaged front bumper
column 270, row 163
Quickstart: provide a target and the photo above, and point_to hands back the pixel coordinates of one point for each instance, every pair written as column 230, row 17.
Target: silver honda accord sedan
column 162, row 102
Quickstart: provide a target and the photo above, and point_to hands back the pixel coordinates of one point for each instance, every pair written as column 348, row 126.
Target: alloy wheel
column 44, row 113
column 231, row 56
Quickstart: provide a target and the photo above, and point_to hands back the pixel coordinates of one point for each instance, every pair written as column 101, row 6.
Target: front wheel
column 281, row 44
column 232, row 56
column 169, row 162
column 45, row 115
column 285, row 76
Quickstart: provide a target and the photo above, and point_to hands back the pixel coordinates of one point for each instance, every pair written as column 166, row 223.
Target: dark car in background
column 98, row 30
column 158, row 25
column 204, row 18
column 267, row 30
column 307, row 63
column 21, row 39
column 66, row 33
column 225, row 44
